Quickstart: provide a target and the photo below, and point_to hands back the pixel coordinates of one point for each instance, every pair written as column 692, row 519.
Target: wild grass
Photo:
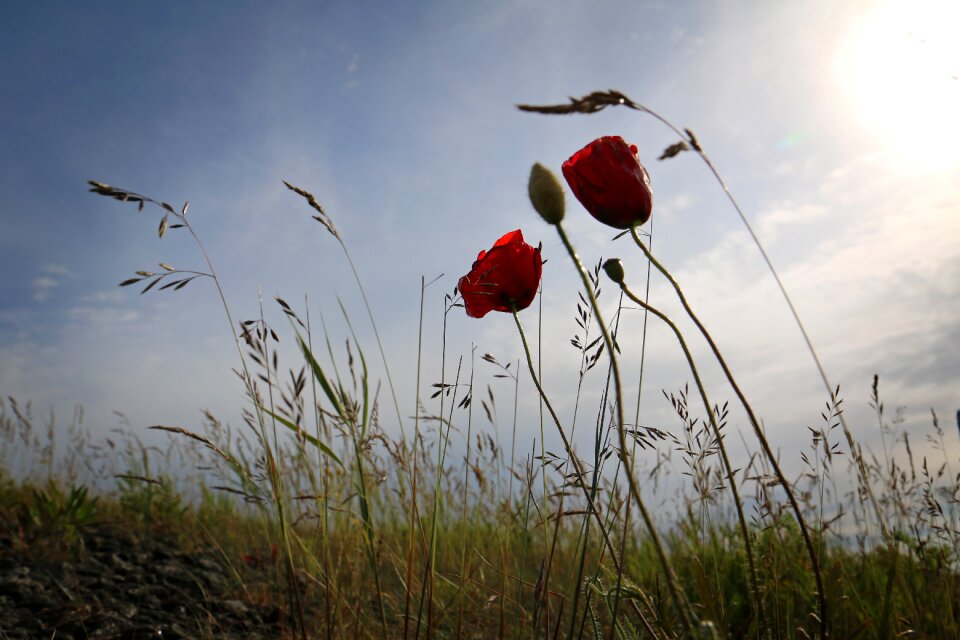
column 491, row 552
column 327, row 505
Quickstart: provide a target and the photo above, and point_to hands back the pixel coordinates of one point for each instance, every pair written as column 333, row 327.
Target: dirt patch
column 121, row 585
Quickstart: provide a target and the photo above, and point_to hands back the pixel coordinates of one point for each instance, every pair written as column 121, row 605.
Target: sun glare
column 899, row 69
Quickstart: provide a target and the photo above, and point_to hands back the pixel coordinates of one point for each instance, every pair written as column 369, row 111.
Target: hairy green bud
column 546, row 194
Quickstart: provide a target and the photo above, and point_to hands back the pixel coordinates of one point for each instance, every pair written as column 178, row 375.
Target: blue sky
column 834, row 125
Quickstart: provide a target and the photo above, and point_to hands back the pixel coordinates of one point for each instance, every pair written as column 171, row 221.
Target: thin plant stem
column 683, row 605
column 528, row 469
column 413, row 465
column 293, row 588
column 584, row 529
column 441, row 458
column 636, row 417
column 325, row 464
column 466, row 496
column 633, row 450
column 543, row 468
column 327, row 222
column 513, row 431
column 436, row 491
column 376, row 334
column 601, row 443
column 581, row 474
column 360, row 426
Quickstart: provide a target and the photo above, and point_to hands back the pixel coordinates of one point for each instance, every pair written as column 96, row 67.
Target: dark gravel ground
column 122, row 585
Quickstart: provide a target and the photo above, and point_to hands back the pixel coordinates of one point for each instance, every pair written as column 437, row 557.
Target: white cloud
column 102, row 315
column 57, row 270
column 668, row 208
column 43, row 286
column 114, row 296
column 778, row 220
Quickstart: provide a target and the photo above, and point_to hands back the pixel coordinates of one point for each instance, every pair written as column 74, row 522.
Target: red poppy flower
column 607, row 178
column 502, row 279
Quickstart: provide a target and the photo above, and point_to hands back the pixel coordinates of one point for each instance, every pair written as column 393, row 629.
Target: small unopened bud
column 546, row 194
column 614, row 270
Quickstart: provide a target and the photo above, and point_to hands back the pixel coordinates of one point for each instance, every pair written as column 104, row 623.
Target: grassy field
column 485, row 561
column 356, row 531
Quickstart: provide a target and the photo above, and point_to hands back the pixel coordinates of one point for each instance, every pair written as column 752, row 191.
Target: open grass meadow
column 358, row 514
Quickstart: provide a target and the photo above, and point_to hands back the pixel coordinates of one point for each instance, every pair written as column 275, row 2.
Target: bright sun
column 899, row 67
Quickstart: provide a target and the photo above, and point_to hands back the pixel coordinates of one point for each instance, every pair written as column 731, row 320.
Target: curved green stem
column 764, row 443
column 578, row 468
column 687, row 615
column 731, row 479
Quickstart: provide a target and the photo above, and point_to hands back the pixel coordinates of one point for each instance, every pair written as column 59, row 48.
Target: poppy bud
column 546, row 194
column 614, row 270
column 607, row 178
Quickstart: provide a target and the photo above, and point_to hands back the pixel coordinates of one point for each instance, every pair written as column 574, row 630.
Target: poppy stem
column 688, row 617
column 764, row 443
column 731, row 475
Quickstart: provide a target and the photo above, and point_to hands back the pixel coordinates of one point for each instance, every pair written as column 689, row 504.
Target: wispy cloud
column 57, row 270
column 53, row 277
column 776, row 221
column 43, row 287
column 102, row 315
column 668, row 208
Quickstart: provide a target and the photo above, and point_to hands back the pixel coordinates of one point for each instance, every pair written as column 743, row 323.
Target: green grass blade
column 320, row 376
column 311, row 439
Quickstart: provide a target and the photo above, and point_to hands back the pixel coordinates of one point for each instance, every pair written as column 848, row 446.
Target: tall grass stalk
column 600, row 448
column 426, row 589
column 356, row 418
column 273, row 472
column 444, row 441
column 581, row 475
column 277, row 472
column 327, row 222
column 414, row 522
column 466, row 496
column 324, row 508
